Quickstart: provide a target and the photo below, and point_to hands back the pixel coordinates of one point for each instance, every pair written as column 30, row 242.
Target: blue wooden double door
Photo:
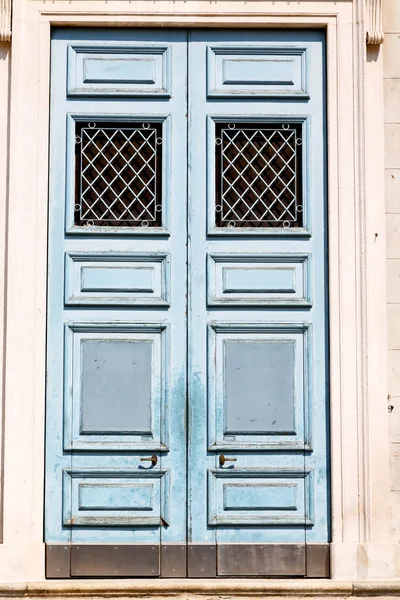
column 187, row 381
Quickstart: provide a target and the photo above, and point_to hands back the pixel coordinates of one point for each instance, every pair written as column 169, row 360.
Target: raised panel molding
column 117, row 279
column 288, row 497
column 118, row 70
column 80, row 435
column 148, row 488
column 296, row 436
column 286, row 279
column 257, row 71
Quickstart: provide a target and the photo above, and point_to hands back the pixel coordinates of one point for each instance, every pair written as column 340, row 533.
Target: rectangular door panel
column 114, row 498
column 117, row 279
column 258, row 280
column 247, row 497
column 245, row 360
column 119, row 69
column 115, row 386
column 261, row 71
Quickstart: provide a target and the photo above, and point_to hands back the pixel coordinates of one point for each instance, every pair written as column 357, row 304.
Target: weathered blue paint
column 252, row 339
column 109, row 300
column 258, row 280
column 246, row 280
column 297, row 433
column 115, row 499
column 111, row 279
column 227, row 84
column 257, row 70
column 123, row 69
column 260, row 498
column 102, row 278
column 114, row 496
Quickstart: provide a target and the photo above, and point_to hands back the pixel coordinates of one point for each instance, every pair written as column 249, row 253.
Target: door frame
column 357, row 339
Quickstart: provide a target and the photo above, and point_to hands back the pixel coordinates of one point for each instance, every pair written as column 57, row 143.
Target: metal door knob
column 223, row 459
column 153, row 459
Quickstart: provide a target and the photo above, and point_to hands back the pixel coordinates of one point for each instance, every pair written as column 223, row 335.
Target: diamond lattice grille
column 119, row 175
column 258, row 175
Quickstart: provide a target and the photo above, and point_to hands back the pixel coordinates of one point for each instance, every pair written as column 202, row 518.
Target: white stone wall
column 391, row 71
column 5, row 68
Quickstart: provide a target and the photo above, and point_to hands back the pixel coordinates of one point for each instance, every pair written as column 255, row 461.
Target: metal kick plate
column 141, row 560
column 173, row 560
column 318, row 560
column 262, row 560
column 202, row 560
column 147, row 560
column 58, row 560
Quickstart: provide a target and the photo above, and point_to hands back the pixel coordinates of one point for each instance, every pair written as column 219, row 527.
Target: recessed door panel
column 115, row 395
column 117, row 279
column 119, row 68
column 256, row 386
column 258, row 280
column 256, row 497
column 112, row 499
column 261, row 71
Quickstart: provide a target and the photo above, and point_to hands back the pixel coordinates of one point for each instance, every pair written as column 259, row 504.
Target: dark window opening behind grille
column 118, row 168
column 258, row 175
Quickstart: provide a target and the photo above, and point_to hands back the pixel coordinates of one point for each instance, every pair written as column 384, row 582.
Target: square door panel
column 115, row 386
column 257, row 71
column 258, row 386
column 122, row 69
column 114, row 498
column 248, row 497
column 258, row 280
column 117, row 279
column 116, row 390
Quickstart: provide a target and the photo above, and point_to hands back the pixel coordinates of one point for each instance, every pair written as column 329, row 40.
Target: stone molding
column 374, row 23
column 176, row 587
column 254, row 588
column 5, row 20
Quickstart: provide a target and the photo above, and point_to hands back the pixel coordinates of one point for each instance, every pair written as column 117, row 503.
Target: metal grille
column 118, row 180
column 258, row 175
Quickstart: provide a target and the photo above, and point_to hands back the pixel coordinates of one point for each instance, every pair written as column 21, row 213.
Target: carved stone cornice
column 374, row 23
column 5, row 20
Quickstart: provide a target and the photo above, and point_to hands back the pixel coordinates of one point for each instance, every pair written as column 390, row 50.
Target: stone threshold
column 111, row 588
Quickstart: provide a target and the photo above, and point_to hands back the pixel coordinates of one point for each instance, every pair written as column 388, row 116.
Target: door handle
column 223, row 459
column 153, row 459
